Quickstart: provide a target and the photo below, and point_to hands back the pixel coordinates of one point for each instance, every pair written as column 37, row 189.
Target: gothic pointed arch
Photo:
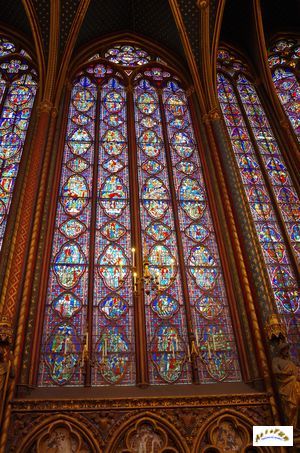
column 227, row 430
column 284, row 57
column 18, row 87
column 132, row 203
column 60, row 433
column 269, row 187
column 147, row 430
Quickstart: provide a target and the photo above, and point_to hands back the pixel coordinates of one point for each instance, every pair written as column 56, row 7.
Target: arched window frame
column 24, row 55
column 222, row 257
column 286, row 59
column 231, row 67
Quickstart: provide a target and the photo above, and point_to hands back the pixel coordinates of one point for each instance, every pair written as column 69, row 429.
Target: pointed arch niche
column 131, row 178
column 284, row 58
column 268, row 186
column 18, row 87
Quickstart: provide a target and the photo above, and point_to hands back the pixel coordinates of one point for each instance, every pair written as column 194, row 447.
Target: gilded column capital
column 285, row 123
column 190, row 90
column 6, row 330
column 129, row 88
column 45, row 106
column 54, row 112
column 213, row 115
column 202, row 4
column 275, row 328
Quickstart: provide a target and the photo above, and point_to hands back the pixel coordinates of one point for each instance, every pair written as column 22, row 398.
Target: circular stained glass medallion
column 146, row 103
column 20, row 95
column 83, row 100
column 176, row 105
column 10, row 145
column 113, row 101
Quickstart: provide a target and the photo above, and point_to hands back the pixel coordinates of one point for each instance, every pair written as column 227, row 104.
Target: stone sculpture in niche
column 6, row 372
column 60, row 438
column 228, row 435
column 288, row 379
column 146, row 440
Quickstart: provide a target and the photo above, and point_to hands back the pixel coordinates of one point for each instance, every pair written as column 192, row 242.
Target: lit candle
column 214, row 344
column 173, row 350
column 172, row 265
column 133, row 256
column 197, row 339
column 189, row 353
column 208, row 347
column 158, row 278
column 194, row 349
column 159, row 254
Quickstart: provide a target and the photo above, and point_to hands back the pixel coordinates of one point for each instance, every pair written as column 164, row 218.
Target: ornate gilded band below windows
column 179, row 424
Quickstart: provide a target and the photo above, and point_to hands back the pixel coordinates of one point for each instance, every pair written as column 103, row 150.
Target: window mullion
column 91, row 261
column 142, row 377
column 6, row 89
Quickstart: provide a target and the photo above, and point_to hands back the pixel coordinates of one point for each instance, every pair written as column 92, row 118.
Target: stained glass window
column 268, row 186
column 284, row 63
column 18, row 85
column 132, row 185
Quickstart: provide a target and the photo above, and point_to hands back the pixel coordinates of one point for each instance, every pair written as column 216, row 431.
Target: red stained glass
column 18, row 86
column 203, row 269
column 90, row 282
column 270, row 235
column 284, row 57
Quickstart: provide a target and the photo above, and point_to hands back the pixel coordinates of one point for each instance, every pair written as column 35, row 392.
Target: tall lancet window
column 18, row 85
column 284, row 61
column 273, row 200
column 135, row 273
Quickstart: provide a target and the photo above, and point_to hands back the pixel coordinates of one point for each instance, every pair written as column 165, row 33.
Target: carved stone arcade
column 184, row 425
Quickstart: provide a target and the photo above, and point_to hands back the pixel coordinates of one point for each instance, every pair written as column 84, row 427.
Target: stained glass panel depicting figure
column 284, row 60
column 18, row 86
column 113, row 319
column 254, row 168
column 67, row 293
column 165, row 324
column 131, row 187
column 207, row 296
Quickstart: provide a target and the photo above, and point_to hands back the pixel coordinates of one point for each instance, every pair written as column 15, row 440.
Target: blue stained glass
column 165, row 306
column 112, row 354
column 208, row 300
column 66, row 305
column 67, row 293
column 288, row 90
column 113, row 323
column 62, row 353
column 93, row 221
column 159, row 245
column 168, row 355
column 273, row 245
column 277, row 171
column 113, row 306
column 17, row 98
